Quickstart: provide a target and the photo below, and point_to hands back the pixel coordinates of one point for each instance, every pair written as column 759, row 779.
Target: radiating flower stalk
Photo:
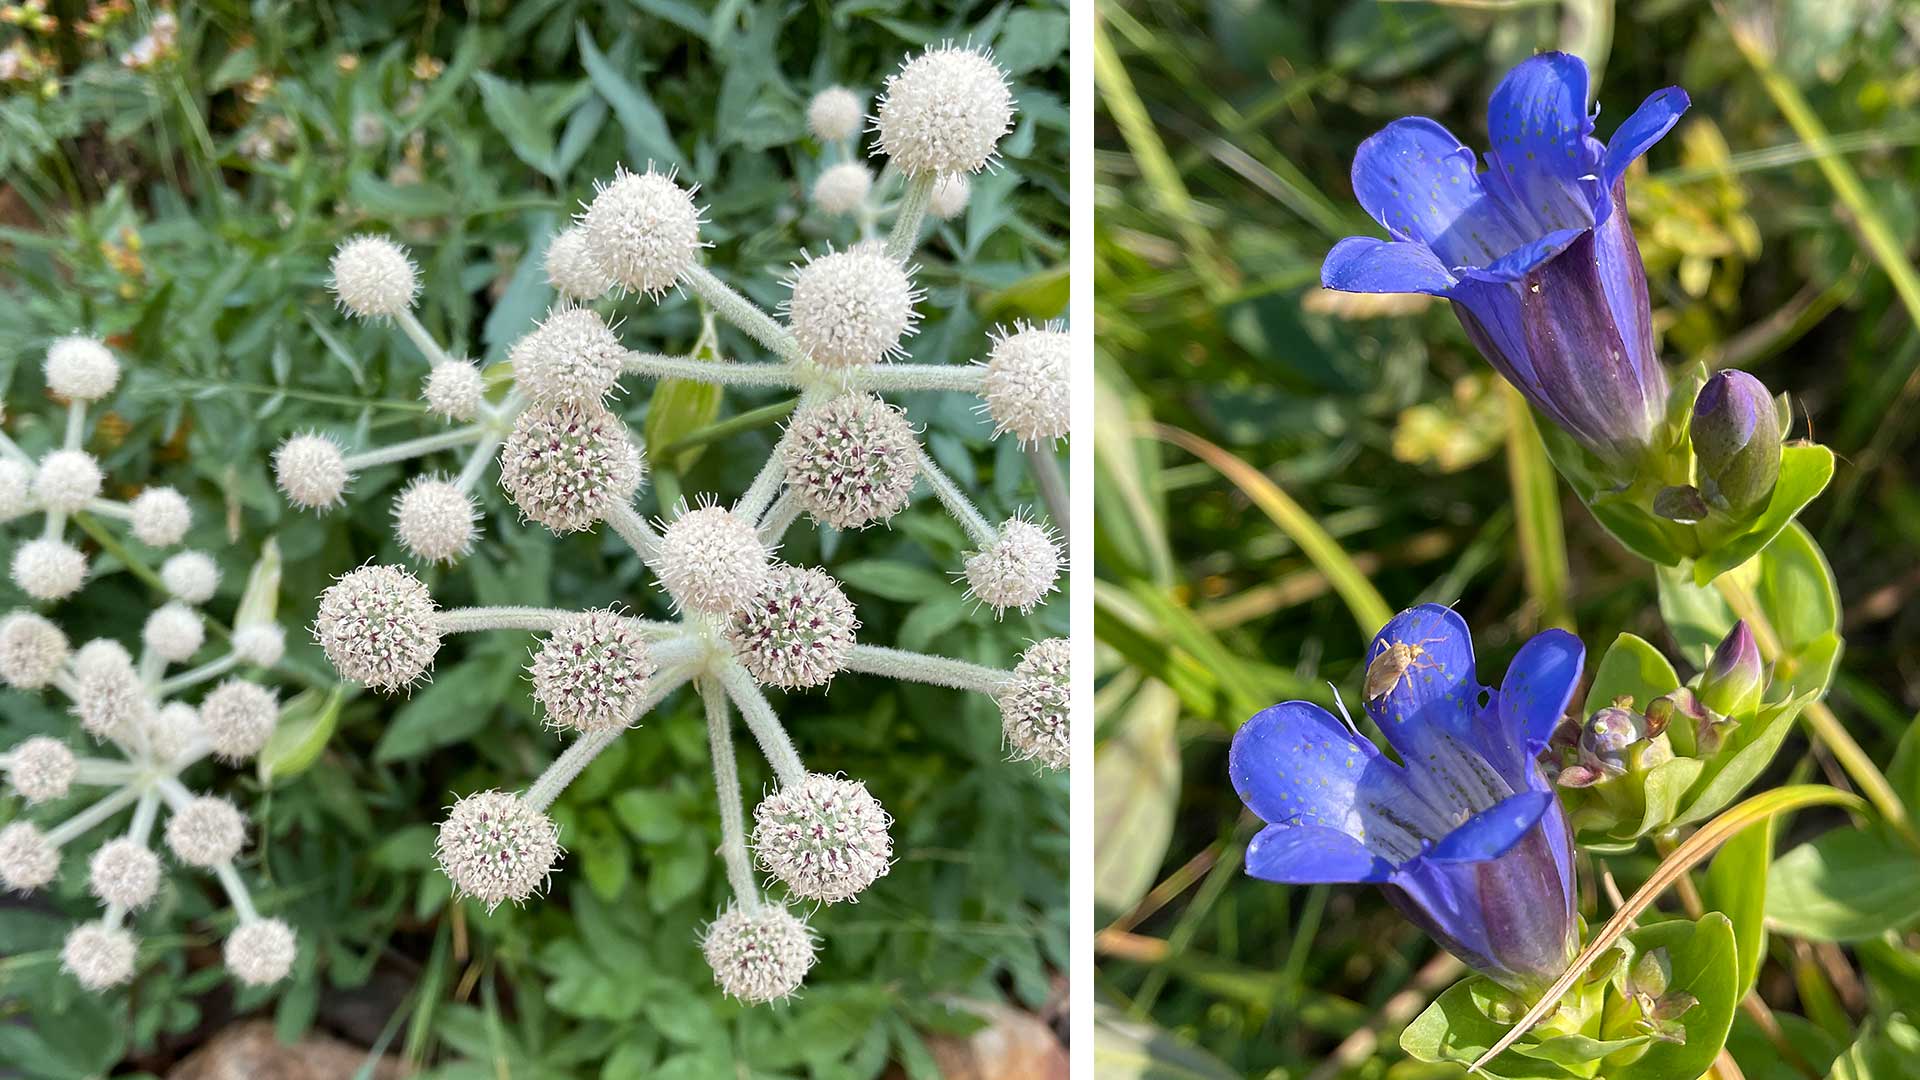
column 743, row 620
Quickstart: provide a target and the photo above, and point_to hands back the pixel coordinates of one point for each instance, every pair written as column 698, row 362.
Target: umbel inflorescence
column 157, row 731
column 745, row 620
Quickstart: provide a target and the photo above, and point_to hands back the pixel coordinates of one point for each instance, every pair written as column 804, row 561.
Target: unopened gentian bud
column 1736, row 437
column 1732, row 682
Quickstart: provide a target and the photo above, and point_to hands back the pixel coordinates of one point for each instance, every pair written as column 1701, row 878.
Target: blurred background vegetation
column 1262, row 442
column 175, row 179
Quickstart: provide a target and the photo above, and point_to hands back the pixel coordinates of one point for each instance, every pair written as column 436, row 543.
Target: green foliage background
column 187, row 212
column 1225, row 131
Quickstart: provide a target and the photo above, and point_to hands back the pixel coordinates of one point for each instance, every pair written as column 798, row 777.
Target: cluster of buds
column 744, row 619
column 66, row 482
column 150, row 719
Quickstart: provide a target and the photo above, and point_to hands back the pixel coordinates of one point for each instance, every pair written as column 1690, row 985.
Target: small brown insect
column 1386, row 670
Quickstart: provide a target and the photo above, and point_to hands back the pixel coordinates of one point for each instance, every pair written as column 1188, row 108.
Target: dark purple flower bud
column 1736, row 437
column 1732, row 682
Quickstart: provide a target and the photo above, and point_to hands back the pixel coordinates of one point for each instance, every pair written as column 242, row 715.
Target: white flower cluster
column 744, row 619
column 67, row 481
column 143, row 713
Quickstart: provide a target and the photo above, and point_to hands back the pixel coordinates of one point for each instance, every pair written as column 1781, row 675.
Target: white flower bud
column 712, row 561
column 572, row 356
column 944, row 112
column 571, row 268
column 758, row 953
column 262, row 644
column 1017, row 570
column 99, row 956
column 826, row 837
column 376, row 625
column 850, row 461
column 1033, row 705
column 797, row 631
column 591, row 672
column 373, row 278
column 41, row 769
column 566, row 465
column 495, row 847
column 67, row 480
column 122, row 872
column 16, row 489
column 190, row 577
column 842, row 188
column 950, row 194
column 49, row 569
column 81, row 369
column 260, row 952
column 174, row 632
column 238, row 718
column 435, row 520
column 109, row 697
column 32, row 650
column 835, row 113
column 643, row 231
column 851, row 308
column 27, row 860
column 1028, row 388
column 455, row 389
column 160, row 517
column 206, row 832
column 311, row 471
column 174, row 728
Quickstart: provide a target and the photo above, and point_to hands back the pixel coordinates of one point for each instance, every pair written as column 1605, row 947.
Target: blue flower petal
column 1416, row 179
column 1363, row 264
column 1436, row 687
column 1492, row 832
column 1312, row 855
column 1648, row 125
column 1543, row 162
column 1623, row 279
column 1294, row 764
column 1539, row 685
column 1521, row 261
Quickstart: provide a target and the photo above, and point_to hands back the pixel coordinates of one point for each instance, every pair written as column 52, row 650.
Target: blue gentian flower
column 1464, row 834
column 1536, row 253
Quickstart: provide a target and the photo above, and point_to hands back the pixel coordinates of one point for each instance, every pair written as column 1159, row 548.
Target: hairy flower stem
column 775, row 746
column 726, row 783
column 414, row 448
column 577, row 757
column 744, row 314
column 640, row 536
column 109, row 508
column 967, row 378
column 472, row 619
column 913, row 210
column 951, row 497
column 760, row 494
column 76, row 424
column 78, row 825
column 422, row 340
column 192, row 677
column 236, row 892
column 923, row 668
column 721, row 373
column 779, row 518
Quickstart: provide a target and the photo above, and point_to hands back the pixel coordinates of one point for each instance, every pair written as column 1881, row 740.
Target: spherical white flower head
column 455, row 389
column 16, row 489
column 825, row 837
column 174, row 728
column 851, row 308
column 373, row 278
column 122, row 872
column 32, row 650
column 643, row 231
column 160, row 517
column 67, row 480
column 842, row 188
column 261, row 952
column 174, row 632
column 797, row 632
column 376, row 625
column 712, row 561
column 260, row 643
column 572, row 356
column 572, row 269
column 311, row 471
column 41, row 769
column 238, row 718
column 1017, row 570
column 1033, row 705
column 99, row 956
column 950, row 194
column 835, row 114
column 590, row 673
column 206, row 832
column 850, row 461
column 190, row 577
column 435, row 520
column 27, row 860
column 566, row 465
column 81, row 369
column 109, row 698
column 944, row 112
column 1028, row 391
column 495, row 847
column 758, row 954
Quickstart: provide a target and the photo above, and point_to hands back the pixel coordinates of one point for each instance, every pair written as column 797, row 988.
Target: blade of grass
column 1536, row 503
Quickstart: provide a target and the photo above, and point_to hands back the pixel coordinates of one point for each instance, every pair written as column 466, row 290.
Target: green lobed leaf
column 1844, row 885
column 1804, row 473
column 1705, row 964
